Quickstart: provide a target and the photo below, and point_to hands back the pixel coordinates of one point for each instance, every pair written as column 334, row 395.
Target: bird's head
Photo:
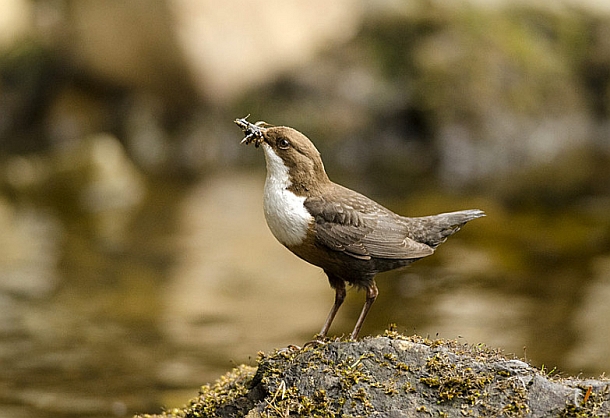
column 286, row 151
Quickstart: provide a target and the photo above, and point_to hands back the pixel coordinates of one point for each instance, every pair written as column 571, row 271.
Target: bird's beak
column 254, row 131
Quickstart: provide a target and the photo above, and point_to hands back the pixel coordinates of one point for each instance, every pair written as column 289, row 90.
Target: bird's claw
column 290, row 347
column 316, row 342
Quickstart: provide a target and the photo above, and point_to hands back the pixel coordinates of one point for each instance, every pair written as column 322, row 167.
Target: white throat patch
column 286, row 216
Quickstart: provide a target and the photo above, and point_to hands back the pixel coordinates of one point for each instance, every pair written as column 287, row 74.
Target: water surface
column 130, row 307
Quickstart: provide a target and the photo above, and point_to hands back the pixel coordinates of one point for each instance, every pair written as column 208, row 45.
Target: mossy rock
column 396, row 376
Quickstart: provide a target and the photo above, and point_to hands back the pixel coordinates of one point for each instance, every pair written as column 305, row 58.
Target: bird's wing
column 362, row 229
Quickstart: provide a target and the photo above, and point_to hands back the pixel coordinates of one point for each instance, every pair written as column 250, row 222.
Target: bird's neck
column 302, row 181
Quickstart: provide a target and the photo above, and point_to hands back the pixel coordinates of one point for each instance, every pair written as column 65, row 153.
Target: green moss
column 408, row 388
column 346, row 378
column 590, row 405
column 421, row 409
column 457, row 383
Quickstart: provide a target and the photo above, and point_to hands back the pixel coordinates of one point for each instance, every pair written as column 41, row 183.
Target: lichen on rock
column 394, row 375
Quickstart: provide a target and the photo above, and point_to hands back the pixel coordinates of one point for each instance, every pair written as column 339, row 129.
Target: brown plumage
column 348, row 235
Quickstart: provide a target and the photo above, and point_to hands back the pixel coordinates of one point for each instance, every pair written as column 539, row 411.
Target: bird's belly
column 355, row 271
column 286, row 216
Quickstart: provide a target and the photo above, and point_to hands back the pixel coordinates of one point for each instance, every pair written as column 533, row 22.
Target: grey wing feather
column 363, row 233
column 385, row 242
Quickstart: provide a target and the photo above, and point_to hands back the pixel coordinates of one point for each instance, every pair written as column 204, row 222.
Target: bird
column 351, row 237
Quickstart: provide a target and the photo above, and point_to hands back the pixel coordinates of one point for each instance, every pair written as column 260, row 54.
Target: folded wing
column 363, row 229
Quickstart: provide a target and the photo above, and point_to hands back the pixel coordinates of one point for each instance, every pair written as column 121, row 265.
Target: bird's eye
column 283, row 143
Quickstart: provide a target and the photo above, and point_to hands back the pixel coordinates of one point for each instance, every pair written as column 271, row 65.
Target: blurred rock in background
column 462, row 92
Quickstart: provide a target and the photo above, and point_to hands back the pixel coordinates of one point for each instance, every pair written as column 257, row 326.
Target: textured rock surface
column 395, row 376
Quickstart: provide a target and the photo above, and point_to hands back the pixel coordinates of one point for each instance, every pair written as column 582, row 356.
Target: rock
column 394, row 376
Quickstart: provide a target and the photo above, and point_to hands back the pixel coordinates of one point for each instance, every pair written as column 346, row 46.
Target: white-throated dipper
column 348, row 235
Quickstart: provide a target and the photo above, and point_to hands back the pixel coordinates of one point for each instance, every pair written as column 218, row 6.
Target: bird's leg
column 339, row 286
column 371, row 295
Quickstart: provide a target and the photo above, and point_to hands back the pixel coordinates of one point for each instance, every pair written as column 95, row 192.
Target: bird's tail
column 434, row 230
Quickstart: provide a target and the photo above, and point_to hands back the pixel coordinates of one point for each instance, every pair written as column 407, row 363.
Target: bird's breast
column 286, row 216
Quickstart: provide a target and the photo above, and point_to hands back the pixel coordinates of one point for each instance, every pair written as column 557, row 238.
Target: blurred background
column 135, row 262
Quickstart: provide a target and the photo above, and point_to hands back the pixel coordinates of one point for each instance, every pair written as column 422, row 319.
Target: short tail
column 434, row 230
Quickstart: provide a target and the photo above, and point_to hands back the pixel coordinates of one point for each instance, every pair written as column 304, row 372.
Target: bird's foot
column 290, row 347
column 317, row 341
